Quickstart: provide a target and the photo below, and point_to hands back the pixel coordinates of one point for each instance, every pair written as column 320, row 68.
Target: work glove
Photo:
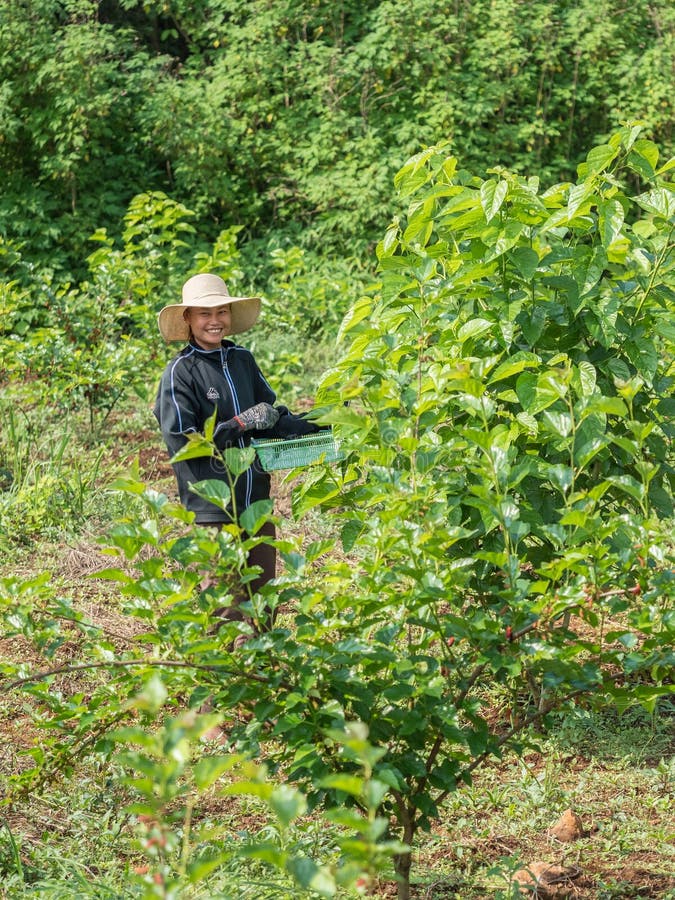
column 258, row 417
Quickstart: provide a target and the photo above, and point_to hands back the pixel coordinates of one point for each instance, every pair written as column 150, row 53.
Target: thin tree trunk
column 402, row 863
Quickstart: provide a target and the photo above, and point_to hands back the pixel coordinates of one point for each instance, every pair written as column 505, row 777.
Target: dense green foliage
column 500, row 544
column 497, row 545
column 291, row 118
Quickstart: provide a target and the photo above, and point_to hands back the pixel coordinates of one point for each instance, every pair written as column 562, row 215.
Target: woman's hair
column 186, row 316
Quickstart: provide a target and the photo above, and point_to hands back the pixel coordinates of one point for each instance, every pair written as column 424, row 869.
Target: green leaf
column 215, row 491
column 659, row 201
column 253, row 517
column 133, row 735
column 311, row 877
column 578, row 195
column 261, row 789
column 586, row 448
column 112, row 575
column 361, row 310
column 628, row 485
column 610, row 222
column 644, row 157
column 208, row 769
column 590, row 271
column 532, row 322
column 643, row 354
column 196, row 446
column 528, row 423
column 590, row 437
column 516, row 363
column 661, row 501
column 492, row 195
column 199, row 869
column 317, row 549
column 420, row 225
column 560, row 423
column 610, row 406
column 389, row 776
column 238, row 459
column 537, row 393
column 466, row 199
column 507, row 238
column 560, row 476
column 473, row 328
column 597, row 160
column 666, row 407
column 267, row 853
column 667, row 166
column 287, row 804
column 413, row 174
column 350, row 422
column 389, row 242
column 374, row 792
column 128, row 484
column 665, row 329
column 210, row 425
column 525, row 260
column 349, row 784
column 619, row 369
column 347, row 818
column 350, row 533
column 647, row 695
column 314, row 493
column 152, row 697
column 587, row 378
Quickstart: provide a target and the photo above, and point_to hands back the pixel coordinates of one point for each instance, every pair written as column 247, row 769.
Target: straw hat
column 206, row 290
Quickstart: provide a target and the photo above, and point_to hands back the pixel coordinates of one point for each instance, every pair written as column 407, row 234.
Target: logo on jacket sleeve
column 212, row 394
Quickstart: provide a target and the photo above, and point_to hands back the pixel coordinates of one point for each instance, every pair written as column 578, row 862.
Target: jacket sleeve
column 173, row 410
column 178, row 412
column 226, row 433
column 291, row 425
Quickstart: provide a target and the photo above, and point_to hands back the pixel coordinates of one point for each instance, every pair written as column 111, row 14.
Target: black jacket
column 193, row 383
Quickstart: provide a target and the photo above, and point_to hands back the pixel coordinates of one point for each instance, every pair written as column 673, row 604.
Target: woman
column 212, row 372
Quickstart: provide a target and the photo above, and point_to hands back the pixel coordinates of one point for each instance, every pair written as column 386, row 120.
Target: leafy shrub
column 504, row 508
column 305, row 298
column 523, row 341
column 45, row 487
column 512, row 421
column 313, row 296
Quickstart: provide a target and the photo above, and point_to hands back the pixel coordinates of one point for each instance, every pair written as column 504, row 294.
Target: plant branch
column 130, row 663
column 652, row 278
column 533, row 717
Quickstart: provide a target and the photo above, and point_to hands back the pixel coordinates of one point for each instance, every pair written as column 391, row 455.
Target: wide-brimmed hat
column 206, row 290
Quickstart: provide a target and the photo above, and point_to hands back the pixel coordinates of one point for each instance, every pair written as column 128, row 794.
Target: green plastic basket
column 279, row 453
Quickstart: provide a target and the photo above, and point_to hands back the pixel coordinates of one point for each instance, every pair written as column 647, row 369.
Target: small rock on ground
column 546, row 880
column 567, row 828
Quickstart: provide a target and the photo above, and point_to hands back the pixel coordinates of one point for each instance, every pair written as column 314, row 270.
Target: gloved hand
column 258, row 417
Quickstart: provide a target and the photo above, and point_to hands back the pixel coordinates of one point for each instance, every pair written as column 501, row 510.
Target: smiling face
column 209, row 324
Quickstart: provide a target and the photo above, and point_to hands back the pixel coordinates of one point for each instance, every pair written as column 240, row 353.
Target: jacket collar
column 224, row 345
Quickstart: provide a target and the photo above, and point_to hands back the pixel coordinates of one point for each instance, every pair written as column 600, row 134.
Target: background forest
column 459, row 216
column 261, row 140
column 291, row 119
